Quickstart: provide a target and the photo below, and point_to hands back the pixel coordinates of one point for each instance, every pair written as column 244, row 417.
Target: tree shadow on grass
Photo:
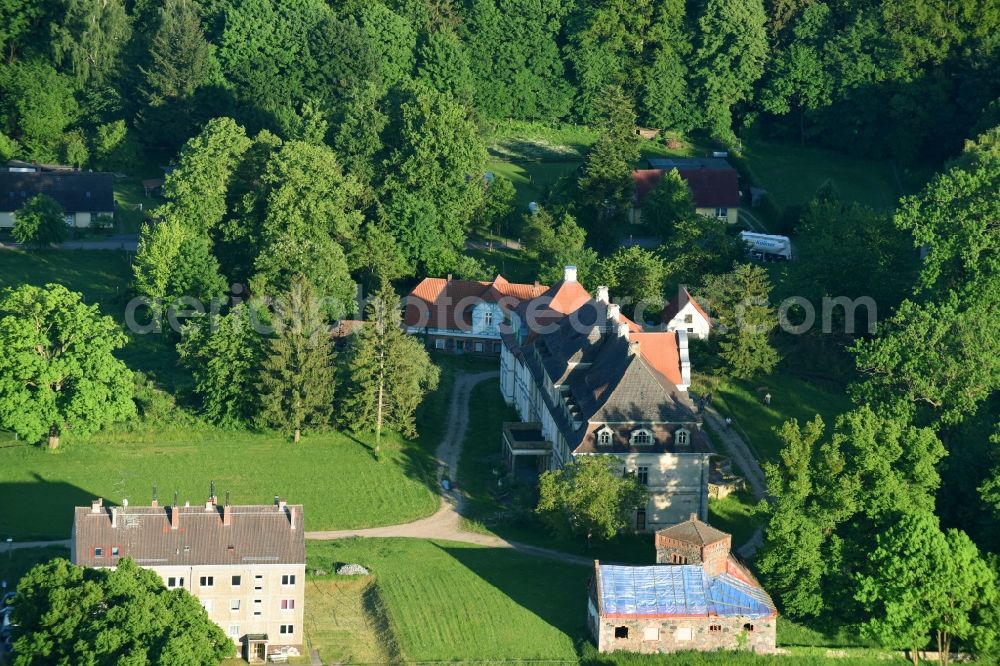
column 556, row 592
column 39, row 509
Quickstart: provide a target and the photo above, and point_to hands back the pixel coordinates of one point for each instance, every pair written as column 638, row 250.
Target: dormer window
column 604, row 436
column 682, row 437
column 641, row 438
column 488, row 318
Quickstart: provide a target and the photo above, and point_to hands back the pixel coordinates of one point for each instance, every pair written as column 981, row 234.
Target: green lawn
column 792, row 174
column 133, row 204
column 445, row 601
column 102, row 276
column 333, row 475
column 791, row 397
column 14, row 563
column 733, row 514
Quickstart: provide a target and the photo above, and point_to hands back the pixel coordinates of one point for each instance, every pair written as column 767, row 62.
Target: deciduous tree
column 88, row 38
column 39, row 222
column 635, row 277
column 590, row 498
column 58, row 371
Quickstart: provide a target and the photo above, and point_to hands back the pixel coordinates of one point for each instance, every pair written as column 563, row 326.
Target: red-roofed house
column 464, row 316
column 714, row 185
column 683, row 313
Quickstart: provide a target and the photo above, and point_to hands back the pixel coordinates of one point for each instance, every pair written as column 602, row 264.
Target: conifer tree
column 388, row 372
column 297, row 377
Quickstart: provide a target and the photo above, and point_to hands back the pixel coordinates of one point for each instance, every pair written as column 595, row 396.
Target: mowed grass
column 14, row 563
column 334, row 475
column 342, row 621
column 102, row 276
column 456, row 602
column 791, row 397
column 792, row 174
column 734, row 514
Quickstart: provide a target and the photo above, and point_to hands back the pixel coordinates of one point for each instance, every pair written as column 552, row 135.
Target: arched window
column 682, row 437
column 642, row 438
column 604, row 436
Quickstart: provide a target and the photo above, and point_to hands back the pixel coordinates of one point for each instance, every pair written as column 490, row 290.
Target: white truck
column 766, row 246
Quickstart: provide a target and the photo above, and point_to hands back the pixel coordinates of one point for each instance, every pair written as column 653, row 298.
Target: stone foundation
column 676, row 634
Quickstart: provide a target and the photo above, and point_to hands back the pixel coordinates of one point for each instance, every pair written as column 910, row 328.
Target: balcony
column 525, row 440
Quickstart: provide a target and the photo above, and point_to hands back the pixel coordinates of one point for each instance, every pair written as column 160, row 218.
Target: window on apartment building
column 642, row 438
column 286, row 629
column 114, row 551
column 234, row 605
column 651, row 634
column 682, row 437
column 234, row 630
column 235, row 582
column 257, row 609
column 207, row 603
column 479, row 346
column 287, row 604
column 439, row 344
column 496, row 347
column 288, row 579
column 621, row 632
column 98, row 552
column 206, row 581
column 642, row 475
column 171, row 582
column 258, row 582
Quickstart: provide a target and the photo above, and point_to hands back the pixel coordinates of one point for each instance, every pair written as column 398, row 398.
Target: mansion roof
column 447, row 303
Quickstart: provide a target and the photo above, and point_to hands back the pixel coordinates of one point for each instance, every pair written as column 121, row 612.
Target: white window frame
column 488, row 318
column 605, row 433
column 235, row 581
column 479, row 347
column 234, row 630
column 287, row 605
column 206, row 581
column 722, row 213
column 682, row 437
column 286, row 629
column 208, row 605
column 439, row 343
column 234, row 605
column 287, row 580
column 642, row 433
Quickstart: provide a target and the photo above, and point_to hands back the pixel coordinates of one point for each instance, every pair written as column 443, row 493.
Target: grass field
column 344, row 621
column 133, row 205
column 333, row 475
column 733, row 514
column 791, row 397
column 14, row 563
column 446, row 601
column 102, row 276
column 792, row 174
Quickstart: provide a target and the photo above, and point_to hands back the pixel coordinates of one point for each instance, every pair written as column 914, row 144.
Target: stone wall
column 676, row 634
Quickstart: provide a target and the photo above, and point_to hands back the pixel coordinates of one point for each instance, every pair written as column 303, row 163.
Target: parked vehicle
column 767, row 247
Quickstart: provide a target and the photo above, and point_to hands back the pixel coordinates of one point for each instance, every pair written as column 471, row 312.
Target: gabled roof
column 694, row 532
column 677, row 304
column 256, row 535
column 74, row 191
column 710, row 187
column 449, row 302
column 664, row 591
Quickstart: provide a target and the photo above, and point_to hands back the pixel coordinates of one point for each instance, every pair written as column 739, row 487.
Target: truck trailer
column 766, row 246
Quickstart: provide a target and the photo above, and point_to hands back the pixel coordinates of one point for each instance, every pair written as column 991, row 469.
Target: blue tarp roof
column 678, row 590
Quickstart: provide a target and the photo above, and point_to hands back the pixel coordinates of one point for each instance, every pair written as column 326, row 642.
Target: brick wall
column 667, row 548
column 675, row 634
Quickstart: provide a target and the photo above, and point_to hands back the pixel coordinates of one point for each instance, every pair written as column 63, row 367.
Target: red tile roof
column 660, row 351
column 710, row 188
column 449, row 302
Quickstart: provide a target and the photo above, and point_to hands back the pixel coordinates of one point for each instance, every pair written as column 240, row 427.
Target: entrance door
column 260, row 651
column 640, row 520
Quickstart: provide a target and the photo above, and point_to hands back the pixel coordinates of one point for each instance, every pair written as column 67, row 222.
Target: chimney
column 95, row 505
column 694, row 517
column 211, row 493
column 114, row 517
column 154, row 503
column 175, row 516
column 227, row 514
column 614, row 310
column 633, row 346
column 623, row 330
column 449, row 277
column 280, row 503
column 602, row 295
column 569, row 274
column 292, row 517
column 537, row 285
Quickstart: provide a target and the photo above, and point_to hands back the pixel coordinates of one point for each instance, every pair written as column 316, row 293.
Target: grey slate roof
column 257, row 535
column 75, row 191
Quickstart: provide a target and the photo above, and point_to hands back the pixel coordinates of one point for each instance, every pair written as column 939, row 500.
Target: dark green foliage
column 635, row 277
column 39, row 223
column 557, row 245
column 36, row 106
column 69, row 614
column 443, row 64
column 696, row 246
column 297, row 376
column 739, row 301
column 669, row 201
column 87, row 38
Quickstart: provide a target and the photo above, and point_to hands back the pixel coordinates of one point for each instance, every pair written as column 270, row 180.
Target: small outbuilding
column 698, row 598
column 683, row 313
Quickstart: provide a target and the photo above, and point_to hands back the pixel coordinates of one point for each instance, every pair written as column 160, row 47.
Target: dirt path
column 446, row 523
column 744, row 458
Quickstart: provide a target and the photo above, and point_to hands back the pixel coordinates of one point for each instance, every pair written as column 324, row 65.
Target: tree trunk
column 297, row 436
column 381, row 396
column 53, row 437
column 915, row 656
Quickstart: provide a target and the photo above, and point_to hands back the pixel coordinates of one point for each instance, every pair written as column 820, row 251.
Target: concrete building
column 246, row 564
column 683, row 313
column 586, row 380
column 700, row 598
column 82, row 195
column 714, row 185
